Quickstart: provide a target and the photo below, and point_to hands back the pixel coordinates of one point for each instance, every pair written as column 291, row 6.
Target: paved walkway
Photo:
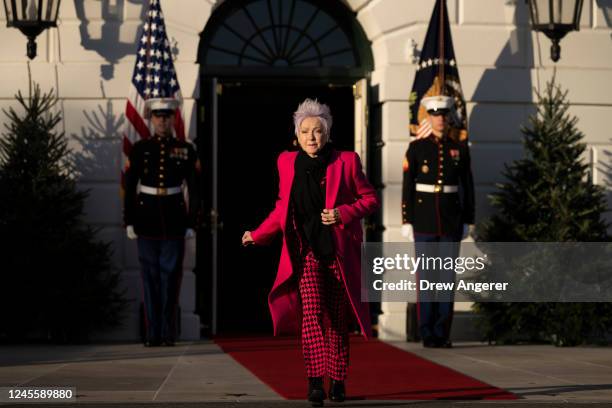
column 543, row 373
column 133, row 373
column 200, row 372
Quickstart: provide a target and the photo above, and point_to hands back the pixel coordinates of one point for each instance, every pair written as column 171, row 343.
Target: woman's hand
column 247, row 239
column 330, row 216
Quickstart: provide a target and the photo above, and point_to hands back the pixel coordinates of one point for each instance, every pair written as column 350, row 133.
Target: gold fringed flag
column 437, row 74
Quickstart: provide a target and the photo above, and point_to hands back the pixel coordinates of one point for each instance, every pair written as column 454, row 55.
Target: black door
column 254, row 125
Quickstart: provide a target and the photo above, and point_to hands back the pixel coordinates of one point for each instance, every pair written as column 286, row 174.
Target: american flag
column 154, row 77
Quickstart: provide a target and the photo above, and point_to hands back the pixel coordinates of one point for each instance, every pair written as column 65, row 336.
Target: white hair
column 313, row 109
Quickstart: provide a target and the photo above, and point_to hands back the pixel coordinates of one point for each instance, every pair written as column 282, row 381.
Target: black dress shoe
column 429, row 342
column 167, row 343
column 444, row 343
column 316, row 394
column 152, row 343
column 337, row 392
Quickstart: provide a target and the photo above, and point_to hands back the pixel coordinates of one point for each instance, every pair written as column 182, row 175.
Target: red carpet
column 378, row 371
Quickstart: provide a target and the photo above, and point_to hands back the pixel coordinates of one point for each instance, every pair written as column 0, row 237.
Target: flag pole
column 441, row 78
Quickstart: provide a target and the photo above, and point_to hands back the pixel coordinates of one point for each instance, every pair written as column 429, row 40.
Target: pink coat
column 349, row 191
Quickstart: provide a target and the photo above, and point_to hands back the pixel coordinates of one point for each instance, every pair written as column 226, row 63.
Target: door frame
column 208, row 147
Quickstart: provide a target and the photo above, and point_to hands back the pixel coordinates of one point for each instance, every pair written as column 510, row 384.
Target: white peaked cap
column 154, row 104
column 435, row 103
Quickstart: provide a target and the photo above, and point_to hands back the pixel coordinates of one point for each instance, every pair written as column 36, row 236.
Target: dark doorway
column 255, row 124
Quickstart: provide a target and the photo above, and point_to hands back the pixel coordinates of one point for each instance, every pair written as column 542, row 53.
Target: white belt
column 160, row 190
column 436, row 188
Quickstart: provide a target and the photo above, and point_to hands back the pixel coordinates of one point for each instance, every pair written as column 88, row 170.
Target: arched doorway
column 258, row 60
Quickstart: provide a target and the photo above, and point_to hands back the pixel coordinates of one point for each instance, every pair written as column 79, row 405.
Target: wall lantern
column 555, row 18
column 31, row 17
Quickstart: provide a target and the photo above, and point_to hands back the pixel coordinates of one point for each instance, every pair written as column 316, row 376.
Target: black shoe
column 167, row 343
column 152, row 343
column 429, row 342
column 316, row 394
column 337, row 392
column 444, row 343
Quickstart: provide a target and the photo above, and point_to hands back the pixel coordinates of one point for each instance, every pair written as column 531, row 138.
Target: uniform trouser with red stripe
column 325, row 340
column 435, row 307
column 161, row 262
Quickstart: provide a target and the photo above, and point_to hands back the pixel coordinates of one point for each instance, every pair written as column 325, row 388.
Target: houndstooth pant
column 325, row 340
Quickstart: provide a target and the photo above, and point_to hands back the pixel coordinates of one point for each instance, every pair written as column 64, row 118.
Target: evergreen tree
column 57, row 279
column 548, row 196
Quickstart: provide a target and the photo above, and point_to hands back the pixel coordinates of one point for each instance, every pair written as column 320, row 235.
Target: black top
column 161, row 162
column 308, row 198
column 438, row 161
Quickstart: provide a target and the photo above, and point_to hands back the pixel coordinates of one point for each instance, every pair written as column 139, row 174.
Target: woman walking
column 323, row 195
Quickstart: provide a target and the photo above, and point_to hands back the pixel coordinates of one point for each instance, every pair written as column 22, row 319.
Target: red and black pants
column 325, row 340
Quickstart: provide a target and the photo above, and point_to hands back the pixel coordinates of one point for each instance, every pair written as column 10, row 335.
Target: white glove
column 189, row 233
column 407, row 232
column 424, row 129
column 130, row 232
column 466, row 231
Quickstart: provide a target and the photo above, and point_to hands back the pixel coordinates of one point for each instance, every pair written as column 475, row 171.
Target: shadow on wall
column 606, row 9
column 509, row 81
column 110, row 37
column 97, row 153
column 499, row 110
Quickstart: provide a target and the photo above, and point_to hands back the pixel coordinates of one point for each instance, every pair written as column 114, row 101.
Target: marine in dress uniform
column 155, row 213
column 437, row 209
